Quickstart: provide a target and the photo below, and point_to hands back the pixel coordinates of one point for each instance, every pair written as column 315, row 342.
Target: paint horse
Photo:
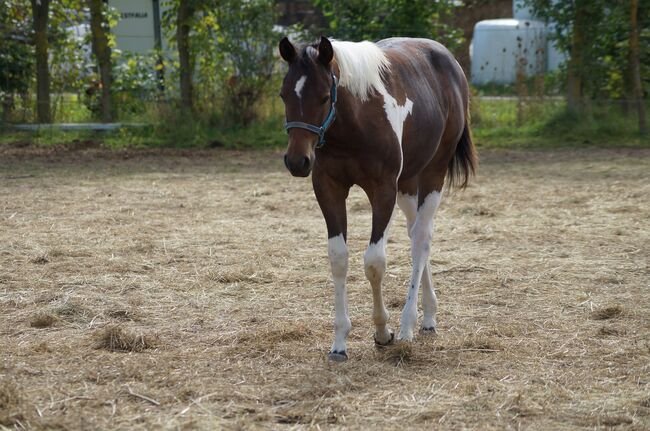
column 392, row 118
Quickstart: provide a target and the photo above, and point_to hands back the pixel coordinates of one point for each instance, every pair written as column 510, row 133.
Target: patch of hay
column 11, row 404
column 118, row 339
column 398, row 353
column 230, row 275
column 41, row 259
column 123, row 315
column 41, row 347
column 609, row 312
column 481, row 344
column 43, row 320
column 478, row 211
column 606, row 331
column 71, row 311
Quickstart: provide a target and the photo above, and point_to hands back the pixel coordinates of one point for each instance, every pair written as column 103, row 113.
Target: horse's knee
column 421, row 239
column 374, row 262
column 338, row 254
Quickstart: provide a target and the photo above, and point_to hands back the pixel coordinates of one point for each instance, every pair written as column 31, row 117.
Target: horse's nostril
column 286, row 161
column 305, row 163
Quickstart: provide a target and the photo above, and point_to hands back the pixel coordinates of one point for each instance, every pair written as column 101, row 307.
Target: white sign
column 135, row 31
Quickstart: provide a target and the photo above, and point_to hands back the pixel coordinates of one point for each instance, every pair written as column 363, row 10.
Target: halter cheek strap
column 320, row 131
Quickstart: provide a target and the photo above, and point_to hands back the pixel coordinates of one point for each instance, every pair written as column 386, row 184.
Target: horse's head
column 308, row 92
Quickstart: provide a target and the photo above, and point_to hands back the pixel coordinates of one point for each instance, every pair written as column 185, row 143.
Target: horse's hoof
column 338, row 356
column 388, row 343
column 428, row 330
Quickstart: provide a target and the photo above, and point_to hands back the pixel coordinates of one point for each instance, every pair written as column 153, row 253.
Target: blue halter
column 320, row 131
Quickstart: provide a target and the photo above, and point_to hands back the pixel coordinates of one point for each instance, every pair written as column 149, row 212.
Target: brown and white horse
column 392, row 118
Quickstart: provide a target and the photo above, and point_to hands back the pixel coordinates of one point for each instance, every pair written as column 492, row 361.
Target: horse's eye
column 325, row 99
column 281, row 96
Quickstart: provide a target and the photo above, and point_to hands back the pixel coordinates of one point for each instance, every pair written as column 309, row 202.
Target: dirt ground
column 191, row 290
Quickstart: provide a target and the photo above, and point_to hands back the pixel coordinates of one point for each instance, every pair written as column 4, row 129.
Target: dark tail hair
column 463, row 165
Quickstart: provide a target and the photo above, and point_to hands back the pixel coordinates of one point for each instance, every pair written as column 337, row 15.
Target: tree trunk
column 103, row 54
column 575, row 67
column 185, row 12
column 635, row 66
column 40, row 13
column 7, row 108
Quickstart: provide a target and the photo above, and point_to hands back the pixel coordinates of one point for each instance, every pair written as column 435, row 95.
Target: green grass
column 496, row 123
column 545, row 123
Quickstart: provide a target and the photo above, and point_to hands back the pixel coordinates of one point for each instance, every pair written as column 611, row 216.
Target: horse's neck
column 347, row 128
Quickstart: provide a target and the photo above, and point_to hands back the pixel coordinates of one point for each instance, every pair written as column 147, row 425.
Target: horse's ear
column 325, row 51
column 287, row 50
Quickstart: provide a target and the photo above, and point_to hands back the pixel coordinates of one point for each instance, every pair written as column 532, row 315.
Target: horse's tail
column 463, row 164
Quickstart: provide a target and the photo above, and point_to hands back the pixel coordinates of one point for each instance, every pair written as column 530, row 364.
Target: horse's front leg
column 382, row 200
column 331, row 197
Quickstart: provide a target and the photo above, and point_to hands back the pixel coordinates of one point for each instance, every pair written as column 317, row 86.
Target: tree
column 40, row 14
column 635, row 66
column 575, row 66
column 16, row 54
column 102, row 51
column 377, row 19
column 596, row 35
column 246, row 42
column 186, row 10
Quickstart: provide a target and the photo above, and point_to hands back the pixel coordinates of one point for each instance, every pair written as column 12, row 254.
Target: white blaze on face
column 300, row 84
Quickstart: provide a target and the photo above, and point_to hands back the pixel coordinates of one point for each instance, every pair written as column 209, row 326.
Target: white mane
column 362, row 65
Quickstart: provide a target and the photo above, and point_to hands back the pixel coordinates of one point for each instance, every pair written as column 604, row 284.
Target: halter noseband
column 320, row 131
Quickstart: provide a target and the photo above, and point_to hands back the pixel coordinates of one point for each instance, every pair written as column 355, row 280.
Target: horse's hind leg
column 421, row 232
column 408, row 202
column 382, row 200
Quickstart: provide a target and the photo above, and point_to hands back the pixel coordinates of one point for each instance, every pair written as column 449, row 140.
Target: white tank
column 502, row 47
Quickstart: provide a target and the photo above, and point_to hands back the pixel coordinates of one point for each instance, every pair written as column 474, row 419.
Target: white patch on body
column 396, row 115
column 421, row 234
column 338, row 255
column 300, row 84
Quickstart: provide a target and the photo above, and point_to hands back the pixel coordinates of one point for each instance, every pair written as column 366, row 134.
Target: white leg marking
column 396, row 115
column 409, row 204
column 338, row 254
column 421, row 233
column 374, row 260
column 300, row 84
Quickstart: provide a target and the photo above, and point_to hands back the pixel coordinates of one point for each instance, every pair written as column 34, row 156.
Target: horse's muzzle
column 298, row 166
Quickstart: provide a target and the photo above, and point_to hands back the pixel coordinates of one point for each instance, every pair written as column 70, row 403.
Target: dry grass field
column 191, row 290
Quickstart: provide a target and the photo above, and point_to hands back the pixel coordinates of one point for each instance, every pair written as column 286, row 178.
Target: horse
column 391, row 117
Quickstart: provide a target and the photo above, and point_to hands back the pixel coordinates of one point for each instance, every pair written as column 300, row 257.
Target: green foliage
column 232, row 44
column 247, row 41
column 604, row 53
column 16, row 52
column 372, row 20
